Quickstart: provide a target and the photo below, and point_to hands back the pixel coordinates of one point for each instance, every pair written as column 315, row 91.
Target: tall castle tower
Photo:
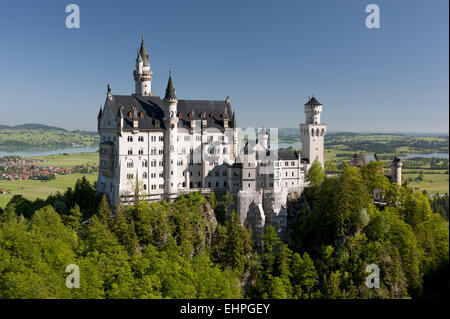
column 171, row 134
column 143, row 75
column 313, row 132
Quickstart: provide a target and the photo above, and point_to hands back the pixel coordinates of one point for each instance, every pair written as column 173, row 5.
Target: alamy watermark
column 73, row 279
column 73, row 19
column 373, row 279
column 373, row 19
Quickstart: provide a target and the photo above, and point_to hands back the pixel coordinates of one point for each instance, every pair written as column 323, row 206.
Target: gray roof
column 287, row 155
column 152, row 108
column 313, row 101
column 170, row 91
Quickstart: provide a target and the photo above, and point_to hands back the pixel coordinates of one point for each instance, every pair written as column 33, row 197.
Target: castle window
column 292, row 163
column 209, row 184
column 129, row 176
column 153, row 151
column 224, row 150
column 130, row 164
column 312, row 132
column 140, row 138
column 130, row 139
column 153, row 163
column 130, row 151
column 144, row 175
column 141, row 151
column 161, row 138
column 144, row 163
column 145, row 186
column 217, row 184
column 224, row 184
column 153, row 138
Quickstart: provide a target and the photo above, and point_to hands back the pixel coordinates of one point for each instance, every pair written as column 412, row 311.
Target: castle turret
column 313, row 132
column 143, row 75
column 396, row 171
column 170, row 148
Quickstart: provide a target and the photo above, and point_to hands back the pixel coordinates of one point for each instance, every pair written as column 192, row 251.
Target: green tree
column 315, row 174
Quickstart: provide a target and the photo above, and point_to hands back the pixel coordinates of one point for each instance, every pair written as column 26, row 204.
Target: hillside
column 39, row 136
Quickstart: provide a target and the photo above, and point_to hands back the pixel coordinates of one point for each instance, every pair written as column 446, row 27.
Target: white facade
column 167, row 147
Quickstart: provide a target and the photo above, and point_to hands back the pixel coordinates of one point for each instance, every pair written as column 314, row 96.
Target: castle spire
column 143, row 53
column 142, row 74
column 170, row 90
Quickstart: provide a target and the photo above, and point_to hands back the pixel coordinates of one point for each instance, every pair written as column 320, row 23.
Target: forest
column 196, row 247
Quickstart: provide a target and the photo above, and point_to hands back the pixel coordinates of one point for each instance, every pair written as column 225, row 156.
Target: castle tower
column 170, row 147
column 143, row 75
column 396, row 171
column 313, row 132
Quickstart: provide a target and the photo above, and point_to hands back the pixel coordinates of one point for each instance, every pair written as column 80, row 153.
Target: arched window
column 130, row 139
column 141, row 151
column 317, row 132
column 130, row 164
column 224, row 150
column 144, row 163
column 144, row 175
column 153, row 152
column 312, row 132
column 130, row 151
column 322, row 132
column 154, row 163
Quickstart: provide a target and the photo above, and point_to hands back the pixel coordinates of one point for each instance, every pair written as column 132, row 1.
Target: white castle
column 171, row 147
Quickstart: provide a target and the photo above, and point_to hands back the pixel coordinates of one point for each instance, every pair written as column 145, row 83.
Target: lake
column 26, row 152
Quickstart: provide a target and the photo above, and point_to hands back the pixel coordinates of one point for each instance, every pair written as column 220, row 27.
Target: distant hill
column 32, row 126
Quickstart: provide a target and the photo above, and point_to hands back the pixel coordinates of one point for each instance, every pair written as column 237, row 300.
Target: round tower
column 313, row 110
column 142, row 74
column 170, row 147
column 313, row 132
column 396, row 171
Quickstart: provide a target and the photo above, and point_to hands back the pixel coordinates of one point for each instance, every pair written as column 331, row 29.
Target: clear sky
column 268, row 56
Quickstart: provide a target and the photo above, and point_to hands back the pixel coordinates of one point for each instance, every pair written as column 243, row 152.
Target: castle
column 165, row 147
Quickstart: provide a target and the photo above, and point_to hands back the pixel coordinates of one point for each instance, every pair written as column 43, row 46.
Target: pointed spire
column 170, row 91
column 139, row 57
column 233, row 121
column 100, row 112
column 143, row 52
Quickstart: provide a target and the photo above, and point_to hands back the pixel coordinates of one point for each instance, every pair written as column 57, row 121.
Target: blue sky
column 268, row 56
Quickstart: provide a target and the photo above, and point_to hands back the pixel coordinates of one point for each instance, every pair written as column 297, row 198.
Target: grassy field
column 432, row 183
column 33, row 189
column 70, row 160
